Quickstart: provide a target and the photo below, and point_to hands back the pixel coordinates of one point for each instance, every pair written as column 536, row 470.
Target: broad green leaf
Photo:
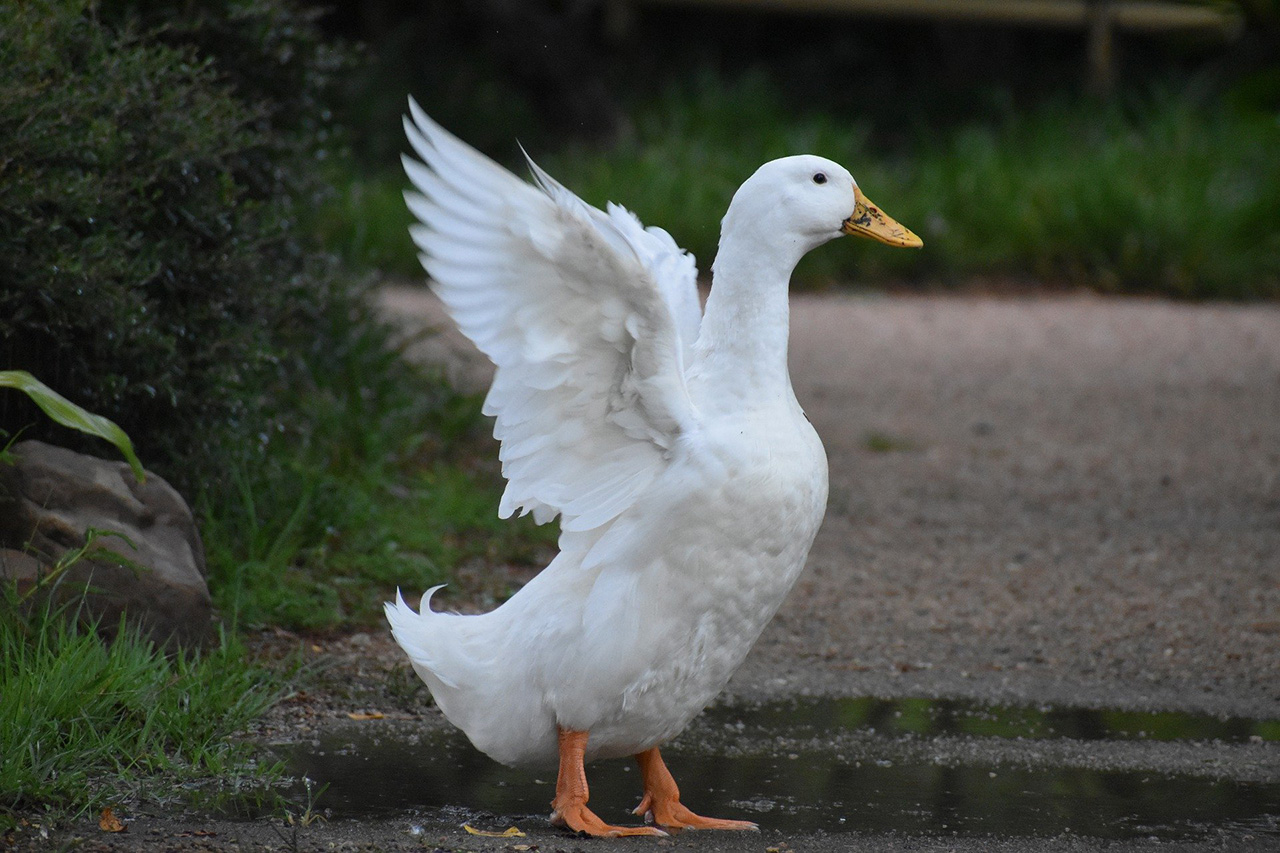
column 69, row 414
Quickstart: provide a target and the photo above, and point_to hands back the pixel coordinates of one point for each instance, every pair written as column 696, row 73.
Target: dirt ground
column 1080, row 503
column 1034, row 500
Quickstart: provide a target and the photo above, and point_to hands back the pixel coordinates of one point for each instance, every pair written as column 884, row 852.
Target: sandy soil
column 1034, row 500
column 1085, row 506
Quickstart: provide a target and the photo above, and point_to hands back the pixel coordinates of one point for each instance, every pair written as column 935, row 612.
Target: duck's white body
column 635, row 627
column 689, row 483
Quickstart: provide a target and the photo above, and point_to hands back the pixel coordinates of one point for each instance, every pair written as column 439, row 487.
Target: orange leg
column 570, row 804
column 662, row 799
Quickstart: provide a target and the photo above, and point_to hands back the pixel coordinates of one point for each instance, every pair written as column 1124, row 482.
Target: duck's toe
column 672, row 814
column 577, row 817
column 661, row 803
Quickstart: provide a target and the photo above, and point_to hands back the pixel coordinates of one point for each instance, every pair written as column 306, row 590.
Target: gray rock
column 145, row 561
column 19, row 566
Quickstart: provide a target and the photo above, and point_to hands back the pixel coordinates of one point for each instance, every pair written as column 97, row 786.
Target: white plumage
column 688, row 482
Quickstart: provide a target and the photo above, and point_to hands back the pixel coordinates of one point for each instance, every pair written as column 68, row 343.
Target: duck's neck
column 742, row 345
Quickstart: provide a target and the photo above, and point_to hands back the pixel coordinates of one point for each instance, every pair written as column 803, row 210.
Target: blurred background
column 1121, row 146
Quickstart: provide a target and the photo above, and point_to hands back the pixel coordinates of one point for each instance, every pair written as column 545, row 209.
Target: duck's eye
column 820, row 178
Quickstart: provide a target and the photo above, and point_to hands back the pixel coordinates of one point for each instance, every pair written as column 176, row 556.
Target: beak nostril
column 868, row 221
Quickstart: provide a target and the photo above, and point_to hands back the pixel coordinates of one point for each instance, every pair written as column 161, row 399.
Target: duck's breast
column 694, row 572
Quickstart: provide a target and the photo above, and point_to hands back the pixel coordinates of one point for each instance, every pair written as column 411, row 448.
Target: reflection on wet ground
column 866, row 765
column 933, row 717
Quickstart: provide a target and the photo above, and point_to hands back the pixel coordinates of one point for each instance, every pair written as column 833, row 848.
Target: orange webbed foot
column 579, row 818
column 672, row 814
column 661, row 803
column 570, row 804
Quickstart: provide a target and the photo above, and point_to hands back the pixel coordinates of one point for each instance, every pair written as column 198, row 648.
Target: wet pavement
column 919, row 768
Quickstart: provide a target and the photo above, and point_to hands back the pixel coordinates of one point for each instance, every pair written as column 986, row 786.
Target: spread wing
column 588, row 316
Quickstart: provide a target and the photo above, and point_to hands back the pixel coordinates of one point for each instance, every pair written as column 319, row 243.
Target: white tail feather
column 419, row 633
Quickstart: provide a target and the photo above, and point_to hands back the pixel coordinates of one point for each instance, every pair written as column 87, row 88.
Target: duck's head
column 807, row 200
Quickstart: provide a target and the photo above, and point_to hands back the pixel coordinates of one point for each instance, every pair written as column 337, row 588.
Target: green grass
column 385, row 478
column 347, row 543
column 1168, row 198
column 85, row 724
column 1156, row 194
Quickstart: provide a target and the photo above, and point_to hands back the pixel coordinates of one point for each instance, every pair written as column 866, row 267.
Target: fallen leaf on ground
column 108, row 822
column 509, row 832
column 376, row 715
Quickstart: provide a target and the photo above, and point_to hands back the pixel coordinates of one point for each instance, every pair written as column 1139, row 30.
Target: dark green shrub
column 151, row 175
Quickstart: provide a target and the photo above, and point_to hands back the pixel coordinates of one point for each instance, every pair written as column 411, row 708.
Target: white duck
column 688, row 481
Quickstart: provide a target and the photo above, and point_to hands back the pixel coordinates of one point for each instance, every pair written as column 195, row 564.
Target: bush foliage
column 150, row 182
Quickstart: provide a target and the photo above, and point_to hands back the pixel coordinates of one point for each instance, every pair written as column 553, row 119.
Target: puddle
column 869, row 766
column 935, row 717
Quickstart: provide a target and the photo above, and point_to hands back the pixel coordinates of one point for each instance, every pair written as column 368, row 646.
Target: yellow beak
column 869, row 221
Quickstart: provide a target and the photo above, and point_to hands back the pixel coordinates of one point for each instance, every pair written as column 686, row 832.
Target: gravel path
column 1068, row 499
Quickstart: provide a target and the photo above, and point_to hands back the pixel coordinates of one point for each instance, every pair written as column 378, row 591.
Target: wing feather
column 588, row 316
